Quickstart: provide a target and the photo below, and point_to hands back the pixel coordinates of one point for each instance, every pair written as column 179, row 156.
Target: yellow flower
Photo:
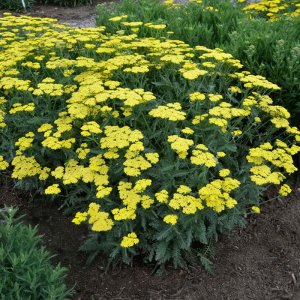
column 170, row 219
column 197, row 96
column 79, row 218
column 162, row 196
column 285, row 190
column 187, row 130
column 171, row 111
column 224, row 172
column 3, row 164
column 255, row 209
column 52, row 189
column 129, row 240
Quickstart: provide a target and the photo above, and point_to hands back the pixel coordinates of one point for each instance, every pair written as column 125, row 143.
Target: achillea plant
column 155, row 144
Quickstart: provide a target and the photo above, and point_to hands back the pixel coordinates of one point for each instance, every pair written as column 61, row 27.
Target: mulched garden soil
column 259, row 262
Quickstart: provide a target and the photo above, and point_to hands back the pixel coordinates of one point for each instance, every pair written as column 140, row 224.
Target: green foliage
column 272, row 49
column 208, row 24
column 70, row 3
column 25, row 268
column 16, row 5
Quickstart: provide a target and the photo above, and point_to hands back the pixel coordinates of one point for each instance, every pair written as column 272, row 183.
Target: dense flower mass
column 150, row 140
column 274, row 9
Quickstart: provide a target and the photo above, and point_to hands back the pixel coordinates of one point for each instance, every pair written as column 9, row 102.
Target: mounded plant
column 25, row 268
column 157, row 146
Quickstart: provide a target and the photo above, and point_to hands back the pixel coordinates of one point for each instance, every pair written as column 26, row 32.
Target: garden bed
column 259, row 262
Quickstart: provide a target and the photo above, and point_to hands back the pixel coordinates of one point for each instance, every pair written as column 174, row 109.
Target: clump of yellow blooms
column 129, row 240
column 180, row 145
column 92, row 124
column 171, row 111
column 171, row 219
column 255, row 209
column 274, row 9
column 52, row 189
column 3, row 164
column 285, row 190
column 201, row 156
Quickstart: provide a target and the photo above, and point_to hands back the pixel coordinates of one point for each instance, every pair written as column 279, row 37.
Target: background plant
column 272, row 49
column 208, row 23
column 16, row 5
column 25, row 268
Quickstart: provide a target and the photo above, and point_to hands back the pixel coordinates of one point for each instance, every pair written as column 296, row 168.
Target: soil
column 82, row 16
column 259, row 262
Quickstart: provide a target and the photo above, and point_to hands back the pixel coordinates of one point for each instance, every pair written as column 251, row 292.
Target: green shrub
column 272, row 49
column 70, row 3
column 156, row 145
column 16, row 5
column 208, row 23
column 25, row 268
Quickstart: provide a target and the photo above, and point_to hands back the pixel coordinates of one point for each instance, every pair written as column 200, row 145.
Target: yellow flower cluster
column 155, row 26
column 48, row 87
column 251, row 81
column 197, row 96
column 255, row 209
column 171, row 219
column 3, row 164
column 18, row 107
column 285, row 190
column 2, row 111
column 216, row 194
column 279, row 156
column 131, row 196
column 171, row 111
column 274, row 9
column 129, row 240
column 201, row 156
column 191, row 71
column 180, row 145
column 99, row 220
column 25, row 142
column 90, row 128
column 185, row 202
column 119, row 137
column 52, row 189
